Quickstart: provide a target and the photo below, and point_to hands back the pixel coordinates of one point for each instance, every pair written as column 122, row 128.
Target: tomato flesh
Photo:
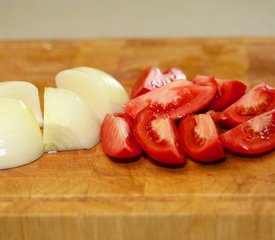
column 117, row 139
column 255, row 136
column 175, row 99
column 229, row 91
column 158, row 137
column 258, row 100
column 199, row 138
column 153, row 78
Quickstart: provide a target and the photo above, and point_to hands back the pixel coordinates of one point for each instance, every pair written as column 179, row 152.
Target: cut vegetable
column 112, row 87
column 255, row 136
column 229, row 91
column 158, row 137
column 199, row 138
column 175, row 100
column 117, row 139
column 153, row 78
column 103, row 93
column 26, row 92
column 258, row 100
column 69, row 123
column 21, row 140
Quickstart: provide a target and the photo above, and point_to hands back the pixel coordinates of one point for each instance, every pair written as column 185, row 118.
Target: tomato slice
column 153, row 78
column 175, row 99
column 229, row 91
column 158, row 137
column 255, row 136
column 117, row 139
column 199, row 138
column 258, row 100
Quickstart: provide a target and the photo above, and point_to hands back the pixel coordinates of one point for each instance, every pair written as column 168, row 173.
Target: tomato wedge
column 117, row 139
column 175, row 99
column 158, row 137
column 199, row 138
column 229, row 91
column 255, row 136
column 175, row 73
column 258, row 100
column 153, row 78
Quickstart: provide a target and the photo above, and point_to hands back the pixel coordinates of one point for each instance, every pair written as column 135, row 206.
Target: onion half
column 21, row 140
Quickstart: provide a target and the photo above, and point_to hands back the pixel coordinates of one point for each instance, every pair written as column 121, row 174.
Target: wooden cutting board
column 85, row 195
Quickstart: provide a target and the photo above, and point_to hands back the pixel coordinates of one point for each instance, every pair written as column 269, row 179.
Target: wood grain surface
column 85, row 195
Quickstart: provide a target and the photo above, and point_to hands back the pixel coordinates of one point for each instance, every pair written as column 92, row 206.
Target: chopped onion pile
column 73, row 113
column 21, row 140
column 26, row 92
column 69, row 123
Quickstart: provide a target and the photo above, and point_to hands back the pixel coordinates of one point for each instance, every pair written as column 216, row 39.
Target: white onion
column 21, row 140
column 69, row 123
column 26, row 92
column 102, row 92
column 113, row 88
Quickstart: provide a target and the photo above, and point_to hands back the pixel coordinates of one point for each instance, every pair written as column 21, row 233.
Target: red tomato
column 229, row 91
column 259, row 99
column 199, row 138
column 175, row 99
column 117, row 139
column 175, row 74
column 154, row 78
column 158, row 137
column 255, row 136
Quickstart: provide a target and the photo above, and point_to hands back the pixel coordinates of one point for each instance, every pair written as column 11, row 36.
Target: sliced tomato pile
column 170, row 117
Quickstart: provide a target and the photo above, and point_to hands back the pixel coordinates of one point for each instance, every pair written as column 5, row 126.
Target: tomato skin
column 203, row 148
column 153, row 78
column 162, row 149
column 229, row 91
column 175, row 99
column 117, row 139
column 244, row 140
column 258, row 100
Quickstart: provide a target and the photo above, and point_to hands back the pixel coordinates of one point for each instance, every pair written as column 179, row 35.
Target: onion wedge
column 102, row 92
column 69, row 123
column 113, row 88
column 21, row 140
